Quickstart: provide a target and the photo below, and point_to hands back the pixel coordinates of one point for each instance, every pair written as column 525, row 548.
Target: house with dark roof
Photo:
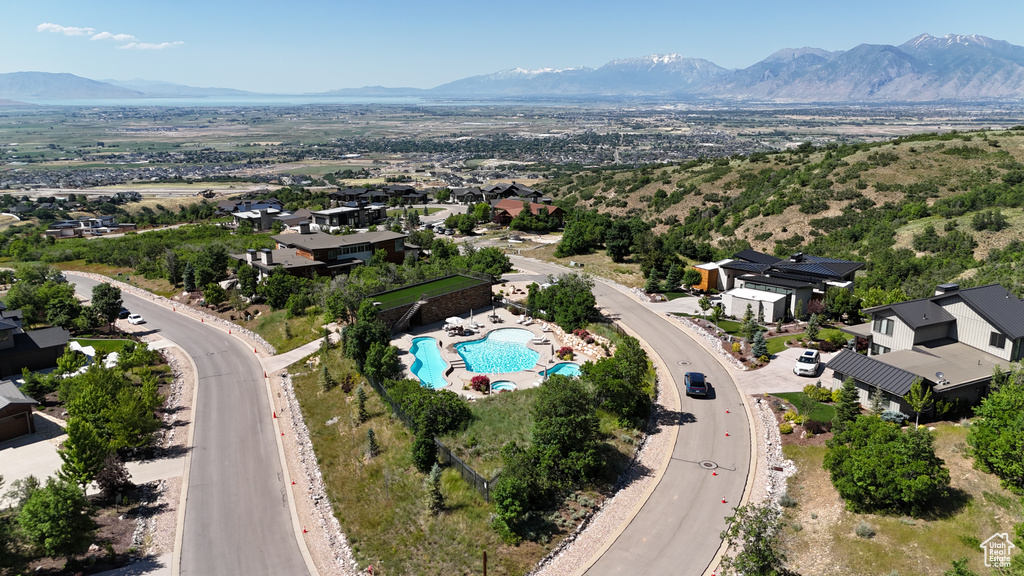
column 952, row 341
column 470, row 195
column 348, row 195
column 311, row 253
column 799, row 279
column 353, row 214
column 35, row 349
column 15, row 412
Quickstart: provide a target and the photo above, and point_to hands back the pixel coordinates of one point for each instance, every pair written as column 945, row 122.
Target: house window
column 997, row 340
column 876, row 349
column 883, row 326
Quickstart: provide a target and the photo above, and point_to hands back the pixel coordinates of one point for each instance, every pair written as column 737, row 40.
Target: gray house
column 952, row 341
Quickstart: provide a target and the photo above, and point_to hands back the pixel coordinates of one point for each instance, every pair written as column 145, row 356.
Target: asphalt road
column 237, row 519
column 677, row 529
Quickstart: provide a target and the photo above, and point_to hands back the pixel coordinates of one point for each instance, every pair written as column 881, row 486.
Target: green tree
column 618, row 238
column 361, row 414
column 716, row 313
column 705, row 305
column 996, row 435
column 691, row 277
column 372, row 447
column 247, row 280
column 520, row 488
column 919, row 398
column 876, row 467
column 367, row 330
column 752, row 539
column 63, row 311
column 653, row 285
column 565, row 430
column 382, row 362
column 214, row 294
column 327, row 381
column 758, row 345
column 188, row 278
column 83, row 453
column 56, row 520
column 432, row 484
column 848, row 406
column 106, row 300
column 210, row 264
column 171, row 266
column 569, row 301
column 813, row 327
column 574, row 240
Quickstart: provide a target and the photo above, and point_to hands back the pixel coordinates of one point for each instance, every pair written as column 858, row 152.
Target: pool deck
column 456, row 374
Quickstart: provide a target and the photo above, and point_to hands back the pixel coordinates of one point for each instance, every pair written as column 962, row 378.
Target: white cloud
column 116, row 37
column 65, row 30
column 148, row 45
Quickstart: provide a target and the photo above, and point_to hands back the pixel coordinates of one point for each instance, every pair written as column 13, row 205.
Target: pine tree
column 435, row 499
column 653, row 282
column 813, row 326
column 188, row 278
column 758, row 345
column 848, row 406
column 361, row 405
column 877, row 405
column 674, row 279
column 372, row 448
column 327, row 382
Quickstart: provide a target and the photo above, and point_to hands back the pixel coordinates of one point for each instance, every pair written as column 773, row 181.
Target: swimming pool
column 502, row 386
column 429, row 367
column 502, row 350
column 570, row 369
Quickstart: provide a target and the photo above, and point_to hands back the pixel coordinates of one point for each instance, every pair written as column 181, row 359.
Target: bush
column 789, row 416
column 894, row 417
column 818, row 393
column 876, row 467
column 480, row 383
column 736, row 347
column 865, row 531
column 785, row 428
column 826, row 346
column 817, row 427
column 787, row 501
column 837, row 395
column 565, row 353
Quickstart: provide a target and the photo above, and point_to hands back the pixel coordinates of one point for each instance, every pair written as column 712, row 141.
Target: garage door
column 14, row 426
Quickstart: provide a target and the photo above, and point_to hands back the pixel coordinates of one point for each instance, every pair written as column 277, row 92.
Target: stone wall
column 476, row 298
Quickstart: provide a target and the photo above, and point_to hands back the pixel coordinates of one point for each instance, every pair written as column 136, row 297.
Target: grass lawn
column 103, row 345
column 380, row 502
column 822, row 412
column 977, row 508
column 778, row 344
column 441, row 286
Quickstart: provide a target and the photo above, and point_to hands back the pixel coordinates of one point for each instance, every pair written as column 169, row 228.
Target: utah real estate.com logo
column 997, row 550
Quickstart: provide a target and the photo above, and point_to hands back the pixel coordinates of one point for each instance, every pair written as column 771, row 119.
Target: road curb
column 179, row 528
column 673, row 392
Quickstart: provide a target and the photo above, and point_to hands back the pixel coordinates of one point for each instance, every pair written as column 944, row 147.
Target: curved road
column 237, row 519
column 676, row 531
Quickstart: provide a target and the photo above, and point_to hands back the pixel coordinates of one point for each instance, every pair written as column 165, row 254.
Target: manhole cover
column 708, row 465
column 683, row 362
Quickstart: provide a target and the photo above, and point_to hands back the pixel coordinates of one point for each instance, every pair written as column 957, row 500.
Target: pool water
column 502, row 386
column 429, row 367
column 570, row 369
column 502, row 350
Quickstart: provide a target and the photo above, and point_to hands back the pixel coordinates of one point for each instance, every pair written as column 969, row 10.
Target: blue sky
column 312, row 46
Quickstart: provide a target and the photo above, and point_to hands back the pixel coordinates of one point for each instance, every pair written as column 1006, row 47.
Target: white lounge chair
column 545, row 327
column 528, row 322
column 522, row 319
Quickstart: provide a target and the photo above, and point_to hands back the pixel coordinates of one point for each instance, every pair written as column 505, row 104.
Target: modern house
column 260, row 220
column 352, row 215
column 35, row 349
column 310, row 253
column 952, row 341
column 470, row 195
column 15, row 412
column 800, row 279
column 505, row 210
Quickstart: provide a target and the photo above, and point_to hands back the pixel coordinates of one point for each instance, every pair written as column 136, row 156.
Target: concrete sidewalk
column 282, row 361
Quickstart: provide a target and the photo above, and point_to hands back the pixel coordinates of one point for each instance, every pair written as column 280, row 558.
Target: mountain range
column 924, row 69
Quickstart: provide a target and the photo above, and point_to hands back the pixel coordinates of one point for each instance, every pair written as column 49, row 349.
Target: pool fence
column 444, row 453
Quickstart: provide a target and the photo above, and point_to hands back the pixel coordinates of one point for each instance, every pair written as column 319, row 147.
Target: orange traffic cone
column 726, row 432
column 713, row 473
column 201, row 321
column 726, row 410
column 723, row 500
column 275, row 413
column 303, row 529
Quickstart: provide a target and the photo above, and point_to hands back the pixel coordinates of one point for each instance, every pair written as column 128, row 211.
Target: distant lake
column 261, row 100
